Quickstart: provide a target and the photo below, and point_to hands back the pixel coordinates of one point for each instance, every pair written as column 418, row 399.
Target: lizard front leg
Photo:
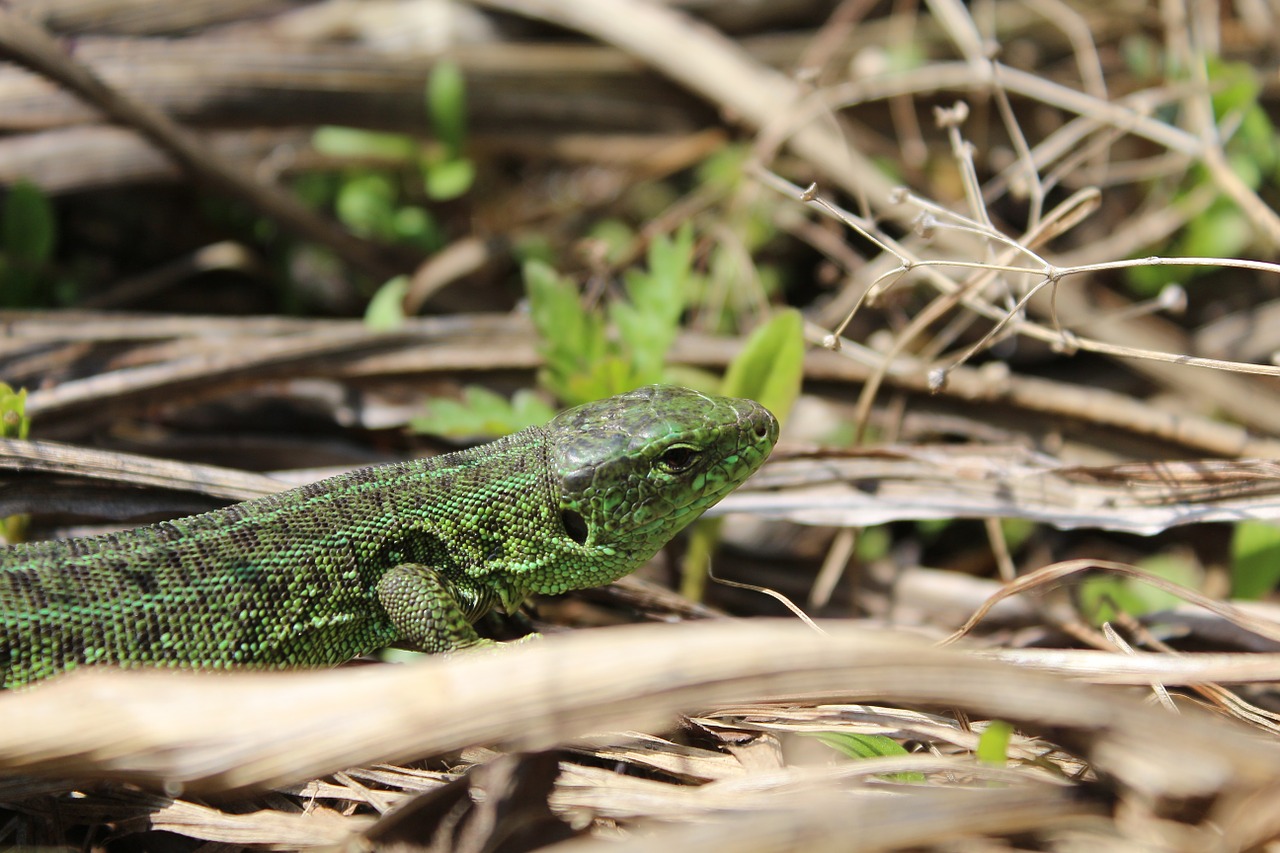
column 429, row 611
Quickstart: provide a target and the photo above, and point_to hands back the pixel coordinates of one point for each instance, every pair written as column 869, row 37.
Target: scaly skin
column 410, row 553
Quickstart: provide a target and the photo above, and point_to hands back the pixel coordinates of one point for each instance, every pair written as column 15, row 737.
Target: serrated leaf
column 482, row 414
column 646, row 338
column 530, row 410
column 649, row 321
column 1255, row 559
column 572, row 338
column 770, row 367
column 662, row 291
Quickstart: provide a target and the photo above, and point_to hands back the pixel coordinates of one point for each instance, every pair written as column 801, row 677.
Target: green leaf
column 1101, row 594
column 649, row 322
column 350, row 142
column 770, row 367
column 573, row 339
column 873, row 543
column 645, row 338
column 1235, row 86
column 29, row 229
column 445, row 180
column 385, row 311
column 1016, row 531
column 1222, row 231
column 993, row 743
column 670, row 264
column 1255, row 559
column 723, row 171
column 482, row 413
column 447, row 105
column 366, row 204
column 868, row 746
column 616, row 236
column 416, row 225
column 14, row 422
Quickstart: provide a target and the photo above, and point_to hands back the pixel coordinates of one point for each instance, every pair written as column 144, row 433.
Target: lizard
column 410, row 553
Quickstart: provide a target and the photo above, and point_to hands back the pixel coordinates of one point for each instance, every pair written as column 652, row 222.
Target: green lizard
column 411, row 553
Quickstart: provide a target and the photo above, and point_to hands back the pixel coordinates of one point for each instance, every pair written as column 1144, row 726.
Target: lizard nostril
column 575, row 525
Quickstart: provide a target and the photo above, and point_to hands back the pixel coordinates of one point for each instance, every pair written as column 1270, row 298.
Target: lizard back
column 283, row 580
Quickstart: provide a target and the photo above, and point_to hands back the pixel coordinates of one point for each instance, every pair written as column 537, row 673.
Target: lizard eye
column 678, row 459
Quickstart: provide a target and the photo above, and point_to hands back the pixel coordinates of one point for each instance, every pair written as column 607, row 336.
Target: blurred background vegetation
column 1005, row 269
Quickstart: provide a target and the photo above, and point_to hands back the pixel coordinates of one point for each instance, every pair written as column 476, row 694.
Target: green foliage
column 1016, row 531
column 589, row 353
column 483, row 413
column 376, row 202
column 447, row 105
column 28, row 233
column 1102, row 594
column 993, row 743
column 744, row 226
column 448, row 179
column 616, row 236
column 14, row 423
column 447, row 174
column 873, row 543
column 352, row 143
column 1222, row 230
column 385, row 311
column 584, row 361
column 768, row 369
column 1255, row 559
column 868, row 746
column 573, row 338
column 770, row 366
column 366, row 205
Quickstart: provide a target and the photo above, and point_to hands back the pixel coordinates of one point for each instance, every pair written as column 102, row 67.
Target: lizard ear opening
column 575, row 525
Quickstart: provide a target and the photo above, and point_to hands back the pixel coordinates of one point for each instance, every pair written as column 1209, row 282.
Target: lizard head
column 634, row 469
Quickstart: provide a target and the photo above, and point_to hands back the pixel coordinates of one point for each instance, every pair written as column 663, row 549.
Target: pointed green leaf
column 353, row 143
column 447, row 105
column 868, row 746
column 993, row 743
column 770, row 367
column 386, row 309
column 1255, row 563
